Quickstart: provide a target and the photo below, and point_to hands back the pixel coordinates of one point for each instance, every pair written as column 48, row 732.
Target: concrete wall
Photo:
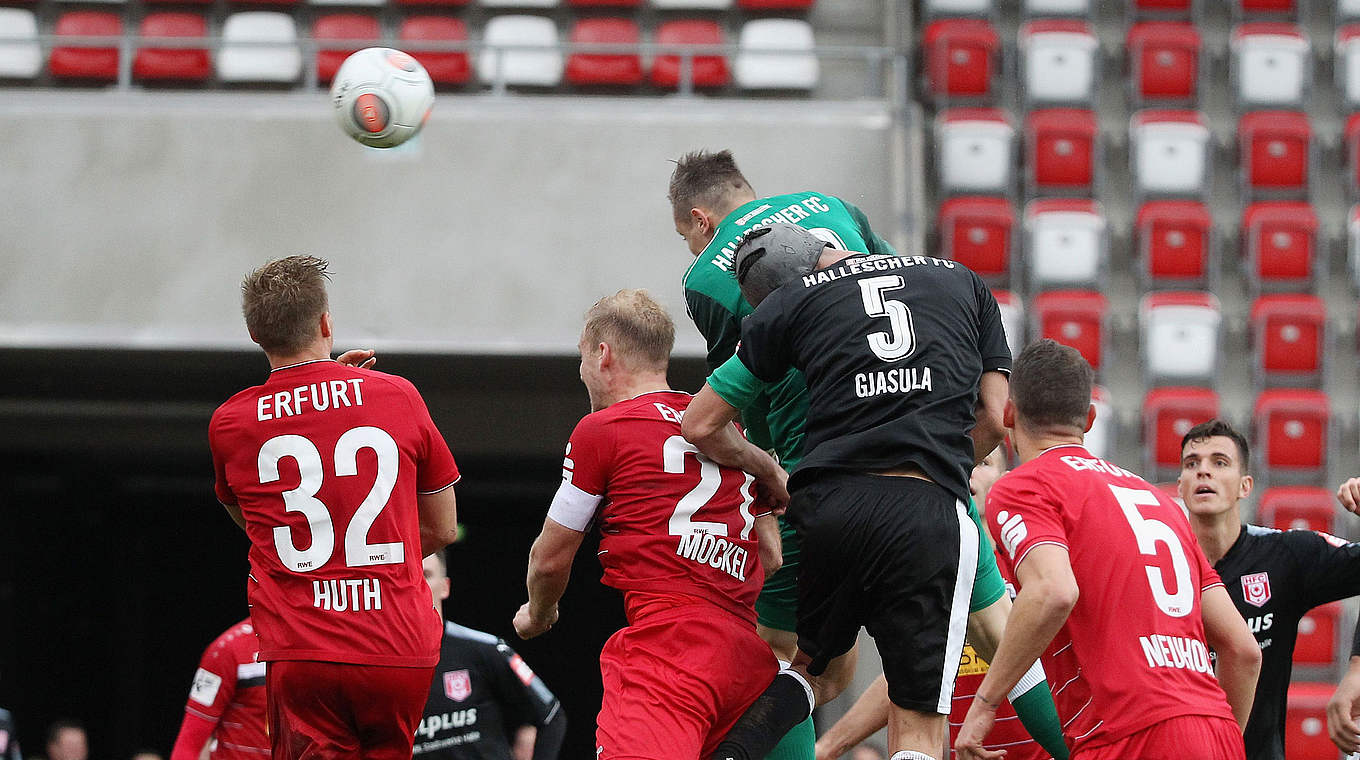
column 129, row 219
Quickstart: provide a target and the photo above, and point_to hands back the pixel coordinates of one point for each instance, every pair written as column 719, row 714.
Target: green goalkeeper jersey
column 774, row 420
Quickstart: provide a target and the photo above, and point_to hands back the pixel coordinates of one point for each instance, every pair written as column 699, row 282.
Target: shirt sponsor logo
column 457, row 685
column 1013, row 531
column 1256, row 589
column 431, row 725
column 204, row 689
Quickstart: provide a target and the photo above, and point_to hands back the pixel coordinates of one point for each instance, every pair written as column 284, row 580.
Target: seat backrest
column 776, row 53
column 520, row 50
column 1271, row 64
column 975, row 150
column 20, row 55
column 708, row 70
column 1181, row 337
column 1168, row 414
column 80, row 62
column 1065, row 243
column 1012, row 319
column 1169, row 153
column 446, row 67
column 1175, row 240
column 281, row 62
column 1075, row 318
column 1059, row 62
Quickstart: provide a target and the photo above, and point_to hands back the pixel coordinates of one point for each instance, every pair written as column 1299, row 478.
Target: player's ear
column 606, row 355
column 700, row 219
column 1008, row 415
column 327, row 326
column 1090, row 418
column 1244, row 488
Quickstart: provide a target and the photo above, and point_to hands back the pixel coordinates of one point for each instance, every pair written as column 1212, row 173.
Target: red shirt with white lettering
column 672, row 522
column 228, row 690
column 1132, row 652
column 325, row 462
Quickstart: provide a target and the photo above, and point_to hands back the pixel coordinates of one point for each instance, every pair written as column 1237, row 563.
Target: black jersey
column 481, row 694
column 893, row 349
column 9, row 741
column 1275, row 577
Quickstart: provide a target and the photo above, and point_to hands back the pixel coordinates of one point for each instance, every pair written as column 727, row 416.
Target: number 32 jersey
column 671, row 520
column 1132, row 652
column 325, row 462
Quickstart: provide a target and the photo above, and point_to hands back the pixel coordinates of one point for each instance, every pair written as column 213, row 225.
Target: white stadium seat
column 1067, row 8
column 776, row 54
column 1347, row 65
column 522, row 51
column 1061, row 62
column 1100, row 438
column 1169, row 153
column 947, row 8
column 20, row 55
column 975, row 151
column 1271, row 65
column 1353, row 243
column 1347, row 10
column 1065, row 244
column 1012, row 319
column 250, row 62
column 1180, row 331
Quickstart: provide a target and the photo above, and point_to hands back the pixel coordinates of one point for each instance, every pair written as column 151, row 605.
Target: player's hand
column 1349, row 495
column 976, row 725
column 1342, row 709
column 774, row 490
column 363, row 358
column 527, row 626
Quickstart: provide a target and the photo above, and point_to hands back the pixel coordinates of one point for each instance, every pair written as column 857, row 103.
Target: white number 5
column 1149, row 533
column 900, row 340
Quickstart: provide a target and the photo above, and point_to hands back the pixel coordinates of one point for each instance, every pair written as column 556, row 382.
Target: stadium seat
column 1297, row 508
column 1168, row 414
column 1291, row 429
column 974, row 151
column 1058, row 8
column 1254, row 9
column 1176, row 244
column 776, row 54
column 172, row 64
column 1065, row 244
column 1353, row 244
column 86, row 63
column 1347, row 66
column 1164, row 61
column 1062, row 151
column 1305, row 721
column 605, row 68
column 1276, row 151
column 1181, row 334
column 1060, row 61
column 1271, row 65
column 340, row 26
column 20, row 55
column 604, row 3
column 962, row 58
column 776, row 5
column 1100, row 439
column 520, row 51
column 253, row 62
column 1318, row 633
column 1347, row 10
column 369, row 3
column 1165, row 8
column 1169, row 154
column 515, row 3
column 691, row 5
column 1012, row 318
column 931, row 9
column 1351, row 148
column 1289, row 339
column 444, row 3
column 446, row 67
column 707, row 70
column 978, row 233
column 1076, row 318
column 1280, row 245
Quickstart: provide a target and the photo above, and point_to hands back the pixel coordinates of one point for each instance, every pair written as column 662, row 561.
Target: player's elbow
column 700, row 429
column 988, row 430
column 1059, row 596
column 1243, row 656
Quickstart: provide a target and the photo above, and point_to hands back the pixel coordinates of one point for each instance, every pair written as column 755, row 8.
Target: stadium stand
column 1169, row 154
column 1319, row 631
column 1281, row 245
column 975, row 149
column 620, row 68
column 706, row 71
column 979, row 232
column 1181, row 337
column 86, row 63
column 520, row 51
column 21, row 56
column 961, row 58
column 1062, row 151
column 1066, row 244
column 937, row 8
column 1292, row 435
column 1168, row 414
column 1277, row 149
column 1061, row 60
column 776, row 54
column 1305, row 722
column 1076, row 318
column 1175, row 245
column 1297, row 507
column 1102, row 437
column 445, row 67
column 245, row 55
column 1347, row 65
column 1164, row 62
column 1289, row 339
column 340, row 26
column 1012, row 319
column 1271, row 65
column 172, row 64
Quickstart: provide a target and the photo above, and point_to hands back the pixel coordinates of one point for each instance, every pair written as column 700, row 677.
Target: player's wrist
column 990, row 704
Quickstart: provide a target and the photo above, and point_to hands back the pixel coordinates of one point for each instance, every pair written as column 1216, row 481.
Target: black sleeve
column 764, row 347
column 721, row 328
column 524, row 697
column 548, row 743
column 992, row 345
column 1328, row 567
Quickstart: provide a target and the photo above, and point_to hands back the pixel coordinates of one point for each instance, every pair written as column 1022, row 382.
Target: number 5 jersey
column 325, row 463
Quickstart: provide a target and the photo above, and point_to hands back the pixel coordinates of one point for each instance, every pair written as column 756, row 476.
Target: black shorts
column 897, row 556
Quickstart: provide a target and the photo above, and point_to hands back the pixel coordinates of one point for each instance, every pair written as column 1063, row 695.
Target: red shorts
column 1211, row 737
column 675, row 681
column 330, row 710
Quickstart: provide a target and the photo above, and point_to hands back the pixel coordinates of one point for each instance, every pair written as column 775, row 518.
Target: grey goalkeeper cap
column 771, row 255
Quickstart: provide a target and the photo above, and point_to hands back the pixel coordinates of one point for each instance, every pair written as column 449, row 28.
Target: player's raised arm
column 1239, row 658
column 708, row 425
column 549, row 570
column 988, row 429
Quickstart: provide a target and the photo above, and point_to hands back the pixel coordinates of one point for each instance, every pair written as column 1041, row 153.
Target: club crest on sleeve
column 457, row 685
column 1256, row 588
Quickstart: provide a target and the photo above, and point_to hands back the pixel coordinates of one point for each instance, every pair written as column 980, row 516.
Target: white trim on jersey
column 573, row 508
column 441, row 488
column 1032, row 546
column 1032, row 677
column 249, row 670
column 958, row 614
column 299, row 364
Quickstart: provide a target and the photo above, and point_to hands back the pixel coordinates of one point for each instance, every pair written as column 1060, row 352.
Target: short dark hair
column 1215, row 428
column 704, row 179
column 1051, row 385
column 282, row 302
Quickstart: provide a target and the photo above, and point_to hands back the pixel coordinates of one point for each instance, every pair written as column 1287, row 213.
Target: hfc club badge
column 457, row 685
column 1256, row 589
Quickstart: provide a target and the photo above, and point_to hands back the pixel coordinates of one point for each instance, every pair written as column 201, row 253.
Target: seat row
column 263, row 47
column 1242, row 9
column 1059, row 60
column 661, row 5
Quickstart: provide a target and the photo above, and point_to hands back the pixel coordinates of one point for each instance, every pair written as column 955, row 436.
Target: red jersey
column 673, row 521
column 1132, row 652
column 228, row 690
column 325, row 462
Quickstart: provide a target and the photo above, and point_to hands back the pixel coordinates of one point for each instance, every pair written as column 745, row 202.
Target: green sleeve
column 1040, row 718
column 721, row 328
column 735, row 384
column 877, row 245
column 987, row 584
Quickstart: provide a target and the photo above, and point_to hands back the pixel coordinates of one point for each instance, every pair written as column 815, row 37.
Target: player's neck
column 1030, row 444
column 1217, row 532
column 635, row 386
column 314, row 352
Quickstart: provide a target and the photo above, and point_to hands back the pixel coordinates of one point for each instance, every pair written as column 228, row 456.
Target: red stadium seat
column 1352, row 149
column 1305, row 721
column 1164, row 61
column 978, row 233
column 962, row 58
column 1297, row 507
column 1175, row 244
column 1289, row 338
column 340, row 26
column 172, row 64
column 1316, row 644
column 708, row 70
column 1292, row 429
column 1076, row 318
column 1276, row 147
column 1281, row 245
column 86, row 63
column 604, row 3
column 442, row 3
column 618, row 68
column 775, row 5
column 1260, row 8
column 1168, row 414
column 447, row 67
column 1062, row 150
column 1164, row 8
column 1012, row 318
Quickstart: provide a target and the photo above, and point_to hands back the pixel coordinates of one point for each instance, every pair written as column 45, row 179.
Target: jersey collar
column 299, row 364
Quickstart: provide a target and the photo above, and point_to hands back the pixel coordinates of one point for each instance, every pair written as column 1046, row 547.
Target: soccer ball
column 382, row 96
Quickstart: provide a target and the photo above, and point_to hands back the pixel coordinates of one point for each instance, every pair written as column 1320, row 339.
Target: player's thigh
column 387, row 704
column 1213, row 738
column 308, row 713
